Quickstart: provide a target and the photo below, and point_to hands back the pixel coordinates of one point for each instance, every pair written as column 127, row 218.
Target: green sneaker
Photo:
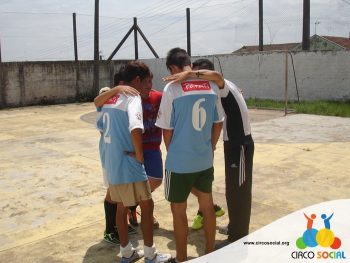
column 197, row 222
column 111, row 238
column 219, row 211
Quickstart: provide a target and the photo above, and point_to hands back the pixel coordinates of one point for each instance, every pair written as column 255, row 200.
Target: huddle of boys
column 190, row 113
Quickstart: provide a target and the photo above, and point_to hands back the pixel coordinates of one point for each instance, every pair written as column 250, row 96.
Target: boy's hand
column 126, row 90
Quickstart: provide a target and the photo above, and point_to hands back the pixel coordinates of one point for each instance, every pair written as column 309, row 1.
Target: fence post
column 135, row 39
column 286, row 85
column 261, row 25
column 75, row 37
column 96, row 50
column 188, row 18
column 306, row 25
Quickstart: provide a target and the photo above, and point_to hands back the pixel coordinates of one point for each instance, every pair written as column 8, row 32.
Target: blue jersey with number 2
column 120, row 115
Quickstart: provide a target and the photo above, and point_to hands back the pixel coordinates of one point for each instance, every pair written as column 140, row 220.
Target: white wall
column 319, row 75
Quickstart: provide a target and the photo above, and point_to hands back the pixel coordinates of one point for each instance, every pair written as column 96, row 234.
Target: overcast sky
column 42, row 29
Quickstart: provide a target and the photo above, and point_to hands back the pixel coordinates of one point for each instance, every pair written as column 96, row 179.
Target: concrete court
column 51, row 189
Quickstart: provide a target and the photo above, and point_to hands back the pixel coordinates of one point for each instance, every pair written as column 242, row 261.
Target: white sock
column 127, row 250
column 150, row 252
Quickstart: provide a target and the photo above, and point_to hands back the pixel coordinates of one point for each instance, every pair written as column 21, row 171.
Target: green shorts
column 178, row 186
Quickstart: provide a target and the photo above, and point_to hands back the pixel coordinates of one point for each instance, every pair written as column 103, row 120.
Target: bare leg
column 205, row 201
column 147, row 221
column 154, row 183
column 122, row 224
column 180, row 229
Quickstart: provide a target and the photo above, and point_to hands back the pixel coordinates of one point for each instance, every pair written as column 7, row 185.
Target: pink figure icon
column 310, row 221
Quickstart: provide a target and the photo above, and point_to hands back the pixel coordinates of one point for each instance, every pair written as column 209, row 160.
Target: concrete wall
column 319, row 75
column 33, row 83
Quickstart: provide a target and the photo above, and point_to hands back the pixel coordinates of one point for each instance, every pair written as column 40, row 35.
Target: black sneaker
column 223, row 230
column 222, row 244
column 131, row 230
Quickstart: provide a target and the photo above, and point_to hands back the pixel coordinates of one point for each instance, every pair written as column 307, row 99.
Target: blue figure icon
column 326, row 220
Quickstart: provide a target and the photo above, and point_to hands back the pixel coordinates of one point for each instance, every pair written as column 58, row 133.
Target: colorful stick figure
column 327, row 224
column 310, row 221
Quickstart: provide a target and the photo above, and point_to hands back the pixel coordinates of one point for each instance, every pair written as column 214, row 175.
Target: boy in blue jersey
column 123, row 161
column 238, row 150
column 110, row 234
column 152, row 135
column 191, row 117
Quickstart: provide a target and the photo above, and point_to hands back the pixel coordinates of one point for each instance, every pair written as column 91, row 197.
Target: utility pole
column 188, row 18
column 96, row 49
column 0, row 51
column 306, row 25
column 75, row 37
column 261, row 27
column 316, row 23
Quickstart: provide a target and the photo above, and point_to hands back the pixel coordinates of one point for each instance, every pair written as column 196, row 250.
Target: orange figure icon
column 310, row 221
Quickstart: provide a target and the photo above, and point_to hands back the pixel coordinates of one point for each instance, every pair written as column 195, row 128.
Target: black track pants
column 238, row 179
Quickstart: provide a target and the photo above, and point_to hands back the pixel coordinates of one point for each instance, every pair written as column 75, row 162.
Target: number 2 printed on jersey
column 106, row 125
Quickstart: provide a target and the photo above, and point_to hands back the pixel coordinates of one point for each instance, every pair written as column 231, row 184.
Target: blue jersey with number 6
column 190, row 109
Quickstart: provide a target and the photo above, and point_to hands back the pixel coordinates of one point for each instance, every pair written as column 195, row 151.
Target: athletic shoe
column 158, row 258
column 137, row 254
column 197, row 222
column 223, row 230
column 131, row 230
column 222, row 244
column 155, row 223
column 111, row 238
column 172, row 260
column 219, row 211
column 133, row 218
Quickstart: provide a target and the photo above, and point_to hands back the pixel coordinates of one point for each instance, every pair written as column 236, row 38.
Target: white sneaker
column 137, row 254
column 158, row 258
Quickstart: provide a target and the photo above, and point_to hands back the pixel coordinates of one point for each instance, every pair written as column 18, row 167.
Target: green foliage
column 321, row 107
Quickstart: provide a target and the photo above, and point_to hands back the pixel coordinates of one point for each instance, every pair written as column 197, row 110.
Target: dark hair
column 177, row 57
column 119, row 76
column 203, row 63
column 134, row 69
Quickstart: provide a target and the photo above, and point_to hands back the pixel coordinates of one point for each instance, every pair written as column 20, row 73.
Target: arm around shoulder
column 120, row 89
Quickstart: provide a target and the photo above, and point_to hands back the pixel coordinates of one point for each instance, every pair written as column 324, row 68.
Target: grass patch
column 328, row 108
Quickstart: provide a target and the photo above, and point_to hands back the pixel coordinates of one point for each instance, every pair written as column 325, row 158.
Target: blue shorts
column 153, row 163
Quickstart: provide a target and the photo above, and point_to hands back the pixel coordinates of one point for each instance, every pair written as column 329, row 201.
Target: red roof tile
column 341, row 41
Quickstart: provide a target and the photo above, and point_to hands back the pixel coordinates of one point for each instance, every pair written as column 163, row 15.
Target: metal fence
column 217, row 27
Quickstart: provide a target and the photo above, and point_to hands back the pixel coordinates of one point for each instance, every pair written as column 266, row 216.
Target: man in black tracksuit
column 239, row 152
